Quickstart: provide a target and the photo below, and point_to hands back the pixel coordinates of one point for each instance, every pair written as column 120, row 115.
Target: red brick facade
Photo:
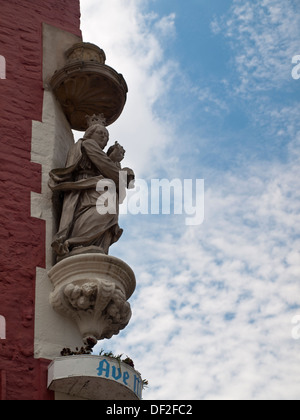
column 22, row 238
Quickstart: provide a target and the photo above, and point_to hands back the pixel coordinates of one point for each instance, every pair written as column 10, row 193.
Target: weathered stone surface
column 93, row 289
column 89, row 216
column 87, row 86
column 51, row 140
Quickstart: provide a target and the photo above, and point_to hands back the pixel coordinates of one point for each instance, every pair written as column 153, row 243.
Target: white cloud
column 213, row 308
column 166, row 25
column 211, row 102
column 265, row 36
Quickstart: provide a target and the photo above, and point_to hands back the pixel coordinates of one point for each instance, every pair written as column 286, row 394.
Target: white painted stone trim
column 51, row 140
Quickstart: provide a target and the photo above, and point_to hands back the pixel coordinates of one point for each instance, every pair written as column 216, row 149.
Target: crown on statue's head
column 96, row 120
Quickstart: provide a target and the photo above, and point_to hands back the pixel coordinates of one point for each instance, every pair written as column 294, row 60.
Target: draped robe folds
column 81, row 225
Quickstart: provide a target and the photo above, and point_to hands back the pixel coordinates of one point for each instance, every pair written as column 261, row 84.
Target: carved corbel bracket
column 93, row 289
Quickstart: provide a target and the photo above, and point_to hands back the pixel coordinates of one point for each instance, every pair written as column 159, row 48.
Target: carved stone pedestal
column 93, row 290
column 87, row 86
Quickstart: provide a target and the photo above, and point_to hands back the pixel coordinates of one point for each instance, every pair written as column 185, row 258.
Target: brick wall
column 22, row 238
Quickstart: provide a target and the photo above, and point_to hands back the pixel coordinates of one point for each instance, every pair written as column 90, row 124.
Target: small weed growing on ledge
column 77, row 352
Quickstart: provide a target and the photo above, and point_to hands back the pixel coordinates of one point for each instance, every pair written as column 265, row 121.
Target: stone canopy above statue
column 87, row 86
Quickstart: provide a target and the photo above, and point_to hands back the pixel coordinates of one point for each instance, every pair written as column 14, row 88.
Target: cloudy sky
column 211, row 96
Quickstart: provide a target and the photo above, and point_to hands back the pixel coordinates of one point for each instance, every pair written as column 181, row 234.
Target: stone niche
column 90, row 288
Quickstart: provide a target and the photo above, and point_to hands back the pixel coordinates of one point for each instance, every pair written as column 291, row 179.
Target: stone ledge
column 93, row 378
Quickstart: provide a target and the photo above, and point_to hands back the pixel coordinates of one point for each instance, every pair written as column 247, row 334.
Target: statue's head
column 97, row 130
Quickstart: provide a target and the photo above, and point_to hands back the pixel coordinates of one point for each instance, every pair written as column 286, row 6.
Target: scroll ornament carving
column 99, row 308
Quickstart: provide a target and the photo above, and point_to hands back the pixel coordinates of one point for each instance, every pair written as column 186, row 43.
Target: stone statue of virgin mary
column 82, row 228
